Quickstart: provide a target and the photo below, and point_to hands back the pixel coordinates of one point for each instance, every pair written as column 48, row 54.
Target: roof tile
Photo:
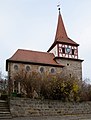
column 34, row 57
column 61, row 35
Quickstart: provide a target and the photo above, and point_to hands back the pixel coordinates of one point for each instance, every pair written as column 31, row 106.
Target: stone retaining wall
column 28, row 107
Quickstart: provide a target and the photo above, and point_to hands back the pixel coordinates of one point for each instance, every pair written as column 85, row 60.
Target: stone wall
column 72, row 67
column 28, row 107
column 35, row 68
column 19, row 68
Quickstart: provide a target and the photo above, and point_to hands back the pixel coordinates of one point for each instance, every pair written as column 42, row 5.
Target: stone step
column 4, row 110
column 6, row 117
column 2, row 100
column 4, row 105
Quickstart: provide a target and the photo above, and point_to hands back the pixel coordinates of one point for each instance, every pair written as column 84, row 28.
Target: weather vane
column 58, row 5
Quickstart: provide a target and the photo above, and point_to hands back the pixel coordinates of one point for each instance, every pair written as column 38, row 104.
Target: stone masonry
column 20, row 107
column 72, row 67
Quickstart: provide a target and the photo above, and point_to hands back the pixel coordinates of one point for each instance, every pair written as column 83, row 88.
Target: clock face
column 68, row 50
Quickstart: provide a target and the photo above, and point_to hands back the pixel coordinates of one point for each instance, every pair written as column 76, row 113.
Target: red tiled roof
column 34, row 57
column 60, row 32
column 61, row 35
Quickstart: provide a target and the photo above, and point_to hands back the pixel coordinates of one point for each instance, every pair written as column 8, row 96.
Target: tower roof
column 61, row 34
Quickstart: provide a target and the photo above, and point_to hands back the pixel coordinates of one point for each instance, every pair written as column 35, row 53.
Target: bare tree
column 29, row 81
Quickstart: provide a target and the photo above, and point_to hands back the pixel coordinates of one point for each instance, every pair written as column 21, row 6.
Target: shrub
column 85, row 91
column 64, row 88
column 29, row 82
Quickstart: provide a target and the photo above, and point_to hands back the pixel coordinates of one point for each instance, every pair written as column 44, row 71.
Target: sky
column 31, row 25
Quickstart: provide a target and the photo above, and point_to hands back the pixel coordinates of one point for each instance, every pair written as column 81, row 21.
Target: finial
column 59, row 6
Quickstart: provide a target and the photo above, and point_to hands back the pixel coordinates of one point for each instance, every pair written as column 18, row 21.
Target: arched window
column 28, row 68
column 41, row 69
column 52, row 70
column 15, row 67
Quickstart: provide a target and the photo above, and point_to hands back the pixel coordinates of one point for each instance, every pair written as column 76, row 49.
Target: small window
column 27, row 68
column 16, row 67
column 70, row 75
column 63, row 50
column 72, row 51
column 41, row 69
column 53, row 70
column 67, row 64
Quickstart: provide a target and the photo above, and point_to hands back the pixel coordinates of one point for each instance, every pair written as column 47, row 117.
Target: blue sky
column 31, row 24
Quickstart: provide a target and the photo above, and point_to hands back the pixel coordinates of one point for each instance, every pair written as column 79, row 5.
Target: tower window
column 67, row 64
column 70, row 75
column 63, row 50
column 72, row 51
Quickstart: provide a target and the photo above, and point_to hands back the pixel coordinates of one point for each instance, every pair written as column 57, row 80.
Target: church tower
column 66, row 50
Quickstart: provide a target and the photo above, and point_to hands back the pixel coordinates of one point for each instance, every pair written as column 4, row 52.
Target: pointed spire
column 60, row 32
column 61, row 35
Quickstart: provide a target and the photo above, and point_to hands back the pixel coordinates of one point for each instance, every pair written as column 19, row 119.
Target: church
column 61, row 56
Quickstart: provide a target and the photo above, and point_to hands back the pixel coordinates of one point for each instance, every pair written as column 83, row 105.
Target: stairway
column 4, row 110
